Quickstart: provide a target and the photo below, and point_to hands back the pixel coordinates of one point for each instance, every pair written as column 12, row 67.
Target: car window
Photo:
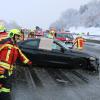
column 33, row 43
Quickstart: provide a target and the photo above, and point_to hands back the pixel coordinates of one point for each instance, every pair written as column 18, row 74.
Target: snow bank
column 89, row 33
column 91, row 30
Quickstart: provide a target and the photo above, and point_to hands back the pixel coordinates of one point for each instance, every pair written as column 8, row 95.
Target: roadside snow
column 88, row 33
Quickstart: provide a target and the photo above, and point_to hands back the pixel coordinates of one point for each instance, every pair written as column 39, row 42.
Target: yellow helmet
column 2, row 28
column 14, row 32
column 52, row 32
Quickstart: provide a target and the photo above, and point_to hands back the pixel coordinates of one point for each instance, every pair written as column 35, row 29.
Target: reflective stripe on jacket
column 6, row 66
column 8, row 55
column 79, row 42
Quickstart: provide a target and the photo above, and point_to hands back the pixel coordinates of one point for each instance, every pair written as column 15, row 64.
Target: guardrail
column 91, row 38
column 94, row 41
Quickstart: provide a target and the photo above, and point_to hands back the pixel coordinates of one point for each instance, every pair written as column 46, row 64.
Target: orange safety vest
column 79, row 42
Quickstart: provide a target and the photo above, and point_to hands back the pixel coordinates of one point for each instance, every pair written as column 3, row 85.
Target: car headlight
column 92, row 58
column 67, row 39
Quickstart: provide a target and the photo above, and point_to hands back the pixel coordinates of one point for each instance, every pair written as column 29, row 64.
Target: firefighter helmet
column 52, row 32
column 14, row 32
column 2, row 28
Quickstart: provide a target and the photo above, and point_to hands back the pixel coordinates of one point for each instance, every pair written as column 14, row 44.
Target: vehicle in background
column 69, row 43
column 55, row 53
column 39, row 33
column 46, row 32
column 66, row 37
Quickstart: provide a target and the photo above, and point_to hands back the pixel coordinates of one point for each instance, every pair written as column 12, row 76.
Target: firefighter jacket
column 79, row 42
column 9, row 52
column 50, row 36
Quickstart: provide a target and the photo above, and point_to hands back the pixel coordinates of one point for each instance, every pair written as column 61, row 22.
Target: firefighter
column 79, row 42
column 3, row 33
column 51, row 34
column 31, row 34
column 9, row 52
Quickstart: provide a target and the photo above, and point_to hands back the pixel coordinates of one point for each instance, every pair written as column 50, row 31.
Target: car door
column 55, row 56
column 30, row 49
column 58, row 55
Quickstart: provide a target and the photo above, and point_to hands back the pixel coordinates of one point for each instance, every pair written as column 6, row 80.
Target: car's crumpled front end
column 94, row 63
column 86, row 61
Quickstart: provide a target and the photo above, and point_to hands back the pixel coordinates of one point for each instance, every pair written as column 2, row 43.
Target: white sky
column 29, row 13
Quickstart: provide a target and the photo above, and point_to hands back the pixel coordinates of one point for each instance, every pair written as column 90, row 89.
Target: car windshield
column 64, row 45
column 64, row 35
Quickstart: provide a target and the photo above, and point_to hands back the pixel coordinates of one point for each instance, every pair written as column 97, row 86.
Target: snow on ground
column 97, row 37
column 89, row 33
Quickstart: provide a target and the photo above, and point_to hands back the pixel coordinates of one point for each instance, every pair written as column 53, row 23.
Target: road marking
column 60, row 80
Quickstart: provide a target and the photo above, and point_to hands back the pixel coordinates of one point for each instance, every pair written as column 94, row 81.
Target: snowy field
column 94, row 33
column 92, row 37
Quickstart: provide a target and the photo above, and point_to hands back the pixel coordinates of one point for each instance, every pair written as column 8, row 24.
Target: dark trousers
column 6, row 82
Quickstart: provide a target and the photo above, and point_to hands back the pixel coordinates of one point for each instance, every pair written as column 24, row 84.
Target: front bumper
column 94, row 65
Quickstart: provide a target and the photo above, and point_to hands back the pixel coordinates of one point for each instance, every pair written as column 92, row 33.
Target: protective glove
column 29, row 63
column 2, row 70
